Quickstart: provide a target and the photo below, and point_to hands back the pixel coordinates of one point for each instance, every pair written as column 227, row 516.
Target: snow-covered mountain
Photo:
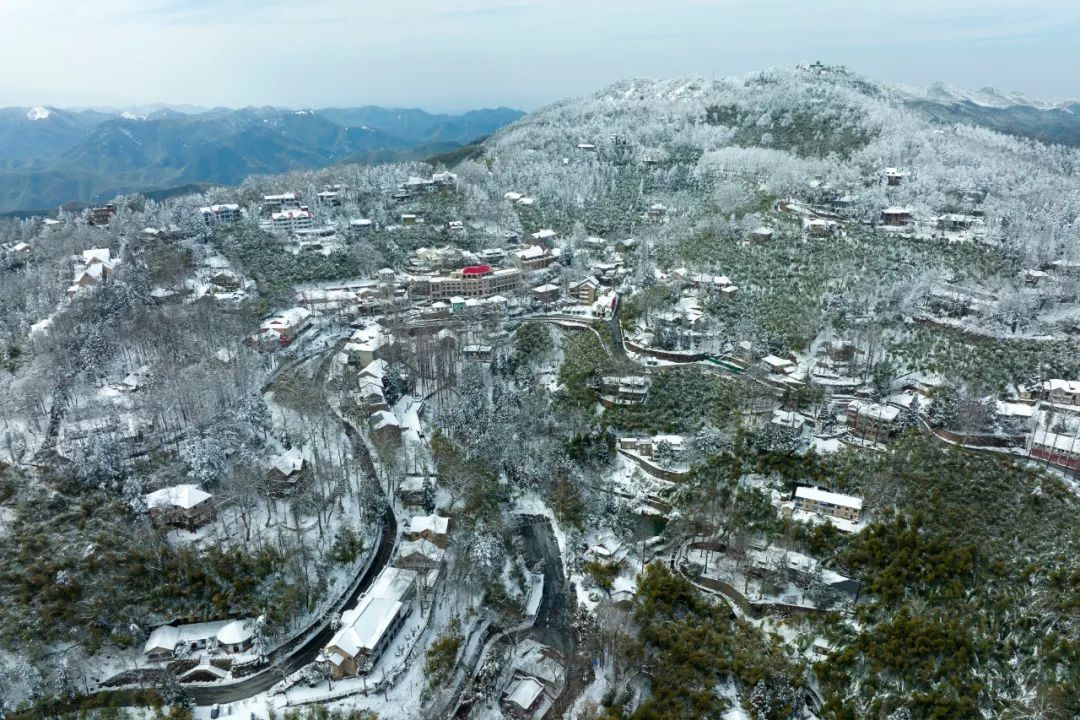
column 49, row 156
column 990, row 97
column 1008, row 112
column 791, row 133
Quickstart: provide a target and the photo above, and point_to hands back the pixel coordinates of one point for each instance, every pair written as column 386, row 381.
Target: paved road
column 303, row 655
column 306, row 653
column 554, row 625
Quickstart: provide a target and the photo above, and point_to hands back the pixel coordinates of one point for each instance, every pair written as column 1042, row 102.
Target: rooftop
column 181, row 496
column 429, row 523
column 524, row 691
column 824, row 496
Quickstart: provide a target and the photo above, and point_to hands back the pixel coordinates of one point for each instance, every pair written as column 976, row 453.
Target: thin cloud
column 490, row 11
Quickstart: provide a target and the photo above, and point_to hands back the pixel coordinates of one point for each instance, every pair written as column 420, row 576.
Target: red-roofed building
column 477, row 270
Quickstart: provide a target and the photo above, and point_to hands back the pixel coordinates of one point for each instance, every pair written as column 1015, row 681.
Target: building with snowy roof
column 873, row 421
column 384, row 428
column 288, row 470
column 476, row 281
column 365, row 344
column 535, row 257
column 292, row 220
column 778, row 365
column 823, row 502
column 433, row 528
column 183, row 506
column 370, row 395
column 818, row 227
column 279, row 202
column 761, row 234
column 236, row 637
column 368, row 628
column 896, row 216
column 226, row 213
column 546, row 293
column 607, row 548
column 586, row 291
column 1062, row 392
column 623, row 389
column 421, row 555
column 375, row 370
column 282, row 328
column 170, row 641
column 524, row 697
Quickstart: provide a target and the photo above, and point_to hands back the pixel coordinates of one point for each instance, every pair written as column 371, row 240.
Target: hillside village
column 752, row 398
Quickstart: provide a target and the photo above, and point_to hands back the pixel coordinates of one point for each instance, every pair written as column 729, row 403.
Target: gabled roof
column 163, row 638
column 1056, row 385
column 181, row 496
column 531, row 253
column 381, row 419
column 824, row 496
column 370, row 620
column 429, row 523
column 524, row 691
column 424, row 548
column 236, row 632
column 288, row 462
column 96, row 255
column 375, row 369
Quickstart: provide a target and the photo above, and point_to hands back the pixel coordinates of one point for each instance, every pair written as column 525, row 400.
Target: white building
column 285, row 326
column 292, row 220
column 368, row 628
column 823, row 502
column 227, row 213
column 280, row 202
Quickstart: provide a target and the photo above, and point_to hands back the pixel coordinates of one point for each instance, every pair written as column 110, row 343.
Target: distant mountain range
column 50, row 156
column 1010, row 113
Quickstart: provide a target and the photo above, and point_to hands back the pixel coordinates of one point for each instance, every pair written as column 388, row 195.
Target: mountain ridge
column 49, row 153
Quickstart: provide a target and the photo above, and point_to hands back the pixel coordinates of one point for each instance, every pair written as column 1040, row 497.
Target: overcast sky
column 459, row 54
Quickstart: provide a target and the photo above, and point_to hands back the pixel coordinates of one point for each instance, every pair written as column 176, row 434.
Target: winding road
column 299, row 656
column 296, row 657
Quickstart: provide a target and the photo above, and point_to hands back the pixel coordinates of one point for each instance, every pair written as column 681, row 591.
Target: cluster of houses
column 226, row 214
column 189, row 507
column 416, row 186
column 661, row 456
column 223, row 638
column 93, row 268
column 16, row 248
column 1054, row 435
column 282, row 328
column 367, row 629
column 519, row 199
